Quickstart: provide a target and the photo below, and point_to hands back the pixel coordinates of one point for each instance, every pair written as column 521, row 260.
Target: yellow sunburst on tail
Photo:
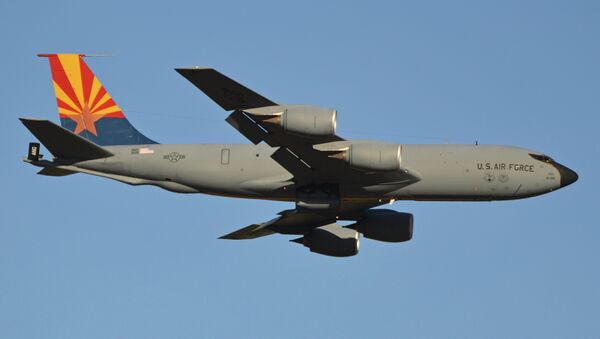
column 79, row 94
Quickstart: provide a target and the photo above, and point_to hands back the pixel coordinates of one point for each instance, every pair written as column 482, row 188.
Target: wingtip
column 230, row 236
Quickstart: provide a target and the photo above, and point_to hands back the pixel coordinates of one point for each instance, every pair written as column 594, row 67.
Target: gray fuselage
column 446, row 172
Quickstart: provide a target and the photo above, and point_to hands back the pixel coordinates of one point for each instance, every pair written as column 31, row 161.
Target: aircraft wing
column 288, row 222
column 298, row 154
column 226, row 92
column 300, row 222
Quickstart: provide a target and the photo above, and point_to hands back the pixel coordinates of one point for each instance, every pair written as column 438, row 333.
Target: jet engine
column 372, row 156
column 385, row 225
column 332, row 240
column 304, row 120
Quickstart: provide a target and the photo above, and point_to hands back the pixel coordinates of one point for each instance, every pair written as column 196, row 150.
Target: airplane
column 295, row 155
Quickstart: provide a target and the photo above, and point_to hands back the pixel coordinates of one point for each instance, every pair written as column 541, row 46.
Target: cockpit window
column 541, row 157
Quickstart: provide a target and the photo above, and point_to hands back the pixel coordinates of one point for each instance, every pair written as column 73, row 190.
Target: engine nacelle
column 372, row 156
column 332, row 240
column 304, row 120
column 385, row 225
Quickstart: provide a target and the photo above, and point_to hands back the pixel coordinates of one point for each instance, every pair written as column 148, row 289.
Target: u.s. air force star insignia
column 174, row 156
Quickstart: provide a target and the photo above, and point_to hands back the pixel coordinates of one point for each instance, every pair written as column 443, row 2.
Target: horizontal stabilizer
column 226, row 92
column 62, row 143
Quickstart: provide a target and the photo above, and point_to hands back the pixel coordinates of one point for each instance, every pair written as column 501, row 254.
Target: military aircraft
column 295, row 156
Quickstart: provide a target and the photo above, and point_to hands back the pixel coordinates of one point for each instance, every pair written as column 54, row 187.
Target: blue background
column 84, row 257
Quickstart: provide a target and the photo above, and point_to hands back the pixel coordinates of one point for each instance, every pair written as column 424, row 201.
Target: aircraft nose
column 567, row 175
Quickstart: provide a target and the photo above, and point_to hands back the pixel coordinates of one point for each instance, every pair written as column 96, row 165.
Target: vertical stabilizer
column 85, row 107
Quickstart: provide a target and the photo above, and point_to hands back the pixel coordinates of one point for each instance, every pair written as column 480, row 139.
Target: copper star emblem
column 86, row 120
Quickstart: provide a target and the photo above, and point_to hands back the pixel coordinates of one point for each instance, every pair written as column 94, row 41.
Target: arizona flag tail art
column 85, row 107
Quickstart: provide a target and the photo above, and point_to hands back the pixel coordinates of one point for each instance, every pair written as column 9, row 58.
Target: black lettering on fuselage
column 503, row 167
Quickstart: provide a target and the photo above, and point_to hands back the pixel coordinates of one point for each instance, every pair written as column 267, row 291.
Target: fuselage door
column 225, row 156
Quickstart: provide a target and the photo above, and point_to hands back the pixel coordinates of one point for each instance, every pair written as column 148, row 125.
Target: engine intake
column 332, row 240
column 385, row 225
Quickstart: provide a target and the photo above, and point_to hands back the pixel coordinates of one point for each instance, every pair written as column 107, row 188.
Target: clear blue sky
column 83, row 257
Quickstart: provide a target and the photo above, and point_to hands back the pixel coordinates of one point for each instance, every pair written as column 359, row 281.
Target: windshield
column 541, row 157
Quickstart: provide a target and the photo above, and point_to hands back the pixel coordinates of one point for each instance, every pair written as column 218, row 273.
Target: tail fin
column 85, row 107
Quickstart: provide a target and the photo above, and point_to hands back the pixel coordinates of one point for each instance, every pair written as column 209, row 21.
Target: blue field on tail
column 111, row 131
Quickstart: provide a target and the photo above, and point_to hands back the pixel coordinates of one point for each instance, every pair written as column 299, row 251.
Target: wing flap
column 292, row 163
column 247, row 127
